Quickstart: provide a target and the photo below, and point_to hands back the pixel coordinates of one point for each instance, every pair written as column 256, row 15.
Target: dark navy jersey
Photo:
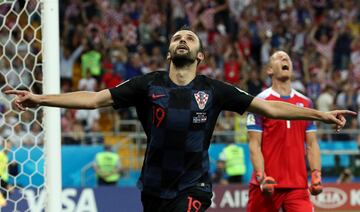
column 179, row 122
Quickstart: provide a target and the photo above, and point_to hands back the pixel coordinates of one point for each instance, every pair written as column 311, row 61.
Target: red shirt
column 232, row 72
column 111, row 80
column 283, row 142
column 244, row 45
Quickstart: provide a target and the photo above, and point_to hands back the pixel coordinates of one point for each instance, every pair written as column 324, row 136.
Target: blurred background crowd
column 104, row 42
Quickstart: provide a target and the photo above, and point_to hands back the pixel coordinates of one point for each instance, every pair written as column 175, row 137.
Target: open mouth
column 285, row 68
column 182, row 46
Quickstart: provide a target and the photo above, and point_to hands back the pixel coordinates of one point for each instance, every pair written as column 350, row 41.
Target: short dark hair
column 185, row 27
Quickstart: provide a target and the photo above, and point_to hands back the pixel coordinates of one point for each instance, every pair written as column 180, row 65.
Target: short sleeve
column 131, row 92
column 311, row 125
column 254, row 122
column 232, row 98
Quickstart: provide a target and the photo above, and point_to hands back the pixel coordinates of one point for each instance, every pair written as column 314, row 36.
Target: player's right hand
column 337, row 117
column 267, row 186
column 24, row 99
column 267, row 183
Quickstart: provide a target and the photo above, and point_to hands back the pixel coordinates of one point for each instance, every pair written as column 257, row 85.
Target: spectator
column 11, row 73
column 107, row 167
column 77, row 134
column 110, row 79
column 88, row 83
column 178, row 14
column 129, row 33
column 234, row 158
column 347, row 97
column 266, row 47
column 325, row 45
column 119, row 57
column 67, row 60
column 325, row 102
column 342, row 49
column 244, row 44
column 34, row 136
column 346, row 176
column 218, row 177
column 87, row 117
column 67, row 124
column 240, row 129
column 4, row 174
column 91, row 60
column 254, row 84
column 225, row 123
column 133, row 67
column 156, row 55
column 146, row 32
column 38, row 133
column 95, row 136
column 232, row 67
column 208, row 68
column 17, row 135
column 299, row 38
column 355, row 59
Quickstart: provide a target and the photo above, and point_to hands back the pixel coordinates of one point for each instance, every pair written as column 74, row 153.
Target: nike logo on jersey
column 157, row 96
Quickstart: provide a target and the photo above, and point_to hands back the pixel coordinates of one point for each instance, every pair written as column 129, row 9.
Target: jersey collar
column 274, row 93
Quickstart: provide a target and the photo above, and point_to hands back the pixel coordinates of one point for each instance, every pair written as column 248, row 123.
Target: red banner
column 335, row 197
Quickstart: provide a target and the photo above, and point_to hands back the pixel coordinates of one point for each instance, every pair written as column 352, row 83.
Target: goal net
column 22, row 135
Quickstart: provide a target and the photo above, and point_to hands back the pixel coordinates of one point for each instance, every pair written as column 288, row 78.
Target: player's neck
column 182, row 76
column 282, row 88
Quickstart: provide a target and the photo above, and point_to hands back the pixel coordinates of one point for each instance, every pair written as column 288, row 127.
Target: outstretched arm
column 76, row 100
column 283, row 110
column 312, row 35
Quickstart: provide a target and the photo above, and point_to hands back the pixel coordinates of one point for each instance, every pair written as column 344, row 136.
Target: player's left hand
column 316, row 185
column 337, row 117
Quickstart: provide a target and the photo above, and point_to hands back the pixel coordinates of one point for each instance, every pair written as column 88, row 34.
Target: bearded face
column 183, row 49
column 182, row 55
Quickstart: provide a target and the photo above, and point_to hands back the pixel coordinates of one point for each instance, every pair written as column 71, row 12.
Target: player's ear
column 269, row 70
column 168, row 56
column 200, row 57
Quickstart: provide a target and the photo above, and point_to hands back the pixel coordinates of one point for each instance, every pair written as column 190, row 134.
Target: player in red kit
column 278, row 152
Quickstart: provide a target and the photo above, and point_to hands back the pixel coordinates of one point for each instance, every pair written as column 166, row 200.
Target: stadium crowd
column 124, row 39
column 104, row 43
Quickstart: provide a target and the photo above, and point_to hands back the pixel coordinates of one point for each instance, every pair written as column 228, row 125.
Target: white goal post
column 51, row 85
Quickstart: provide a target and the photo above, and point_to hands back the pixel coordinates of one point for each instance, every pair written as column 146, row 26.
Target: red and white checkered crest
column 201, row 98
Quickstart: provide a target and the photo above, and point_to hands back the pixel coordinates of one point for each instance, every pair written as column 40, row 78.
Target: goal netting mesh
column 21, row 133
